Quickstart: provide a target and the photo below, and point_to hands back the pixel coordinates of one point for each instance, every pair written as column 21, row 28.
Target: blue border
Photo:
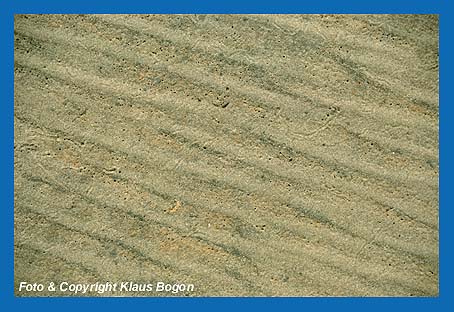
column 11, row 7
column 226, row 6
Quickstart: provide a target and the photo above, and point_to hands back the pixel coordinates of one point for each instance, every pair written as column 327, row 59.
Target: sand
column 247, row 155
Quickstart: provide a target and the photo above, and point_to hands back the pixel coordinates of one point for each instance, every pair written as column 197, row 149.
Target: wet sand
column 249, row 155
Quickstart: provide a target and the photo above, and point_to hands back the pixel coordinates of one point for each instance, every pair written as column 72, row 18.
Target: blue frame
column 11, row 7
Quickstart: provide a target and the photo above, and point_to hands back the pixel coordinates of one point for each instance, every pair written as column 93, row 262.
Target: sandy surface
column 247, row 155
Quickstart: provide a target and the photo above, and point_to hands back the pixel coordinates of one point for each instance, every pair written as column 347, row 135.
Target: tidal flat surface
column 248, row 155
